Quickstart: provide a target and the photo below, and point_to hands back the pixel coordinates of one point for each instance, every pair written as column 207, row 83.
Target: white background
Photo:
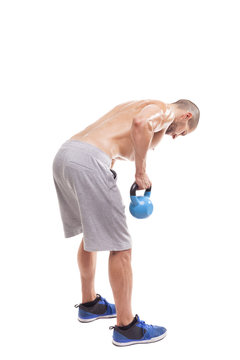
column 63, row 65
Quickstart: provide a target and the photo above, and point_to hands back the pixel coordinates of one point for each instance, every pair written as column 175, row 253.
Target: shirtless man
column 126, row 132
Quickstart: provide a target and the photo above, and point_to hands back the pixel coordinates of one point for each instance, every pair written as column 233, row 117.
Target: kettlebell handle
column 134, row 188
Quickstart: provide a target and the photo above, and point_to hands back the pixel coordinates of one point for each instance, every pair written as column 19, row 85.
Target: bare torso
column 111, row 132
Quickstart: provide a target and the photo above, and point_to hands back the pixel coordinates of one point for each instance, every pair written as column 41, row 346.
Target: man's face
column 178, row 127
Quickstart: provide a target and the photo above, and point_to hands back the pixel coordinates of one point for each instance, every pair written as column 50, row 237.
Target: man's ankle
column 88, row 298
column 125, row 321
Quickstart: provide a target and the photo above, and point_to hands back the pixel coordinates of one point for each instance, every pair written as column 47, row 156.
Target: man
column 90, row 201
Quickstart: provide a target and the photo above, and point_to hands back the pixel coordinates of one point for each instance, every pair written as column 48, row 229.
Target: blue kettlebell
column 140, row 206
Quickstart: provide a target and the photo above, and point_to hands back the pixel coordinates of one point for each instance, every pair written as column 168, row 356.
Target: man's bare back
column 112, row 132
column 130, row 129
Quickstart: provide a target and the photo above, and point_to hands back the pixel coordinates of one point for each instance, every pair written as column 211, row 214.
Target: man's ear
column 187, row 116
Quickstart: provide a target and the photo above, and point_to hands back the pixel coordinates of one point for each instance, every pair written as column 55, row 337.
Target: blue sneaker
column 137, row 332
column 96, row 309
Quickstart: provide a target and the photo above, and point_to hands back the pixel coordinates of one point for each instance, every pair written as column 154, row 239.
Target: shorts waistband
column 92, row 149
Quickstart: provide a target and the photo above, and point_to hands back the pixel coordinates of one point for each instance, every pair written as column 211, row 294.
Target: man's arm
column 143, row 127
column 141, row 135
column 148, row 121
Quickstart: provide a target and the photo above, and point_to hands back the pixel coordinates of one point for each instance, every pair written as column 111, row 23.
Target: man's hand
column 142, row 181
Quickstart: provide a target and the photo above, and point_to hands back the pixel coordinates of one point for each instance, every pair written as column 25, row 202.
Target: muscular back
column 111, row 132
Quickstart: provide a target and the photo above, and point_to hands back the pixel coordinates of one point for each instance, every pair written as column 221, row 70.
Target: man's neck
column 174, row 110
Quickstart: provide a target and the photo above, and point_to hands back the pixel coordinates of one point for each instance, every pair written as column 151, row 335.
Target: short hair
column 188, row 105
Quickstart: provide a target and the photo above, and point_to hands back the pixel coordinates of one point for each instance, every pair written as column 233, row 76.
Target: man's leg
column 87, row 267
column 120, row 277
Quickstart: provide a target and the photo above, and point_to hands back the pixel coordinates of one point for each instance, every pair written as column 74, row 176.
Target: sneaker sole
column 96, row 318
column 154, row 339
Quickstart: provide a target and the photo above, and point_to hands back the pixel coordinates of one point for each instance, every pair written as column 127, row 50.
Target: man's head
column 186, row 118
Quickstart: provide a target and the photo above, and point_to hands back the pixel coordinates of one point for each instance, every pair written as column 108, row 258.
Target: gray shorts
column 88, row 196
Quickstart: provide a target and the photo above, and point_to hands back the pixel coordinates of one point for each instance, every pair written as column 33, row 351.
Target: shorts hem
column 112, row 249
column 72, row 233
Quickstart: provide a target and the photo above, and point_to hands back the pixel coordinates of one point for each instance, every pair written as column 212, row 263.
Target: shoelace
column 143, row 323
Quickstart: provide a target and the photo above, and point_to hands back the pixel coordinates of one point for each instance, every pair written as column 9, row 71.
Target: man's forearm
column 141, row 137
